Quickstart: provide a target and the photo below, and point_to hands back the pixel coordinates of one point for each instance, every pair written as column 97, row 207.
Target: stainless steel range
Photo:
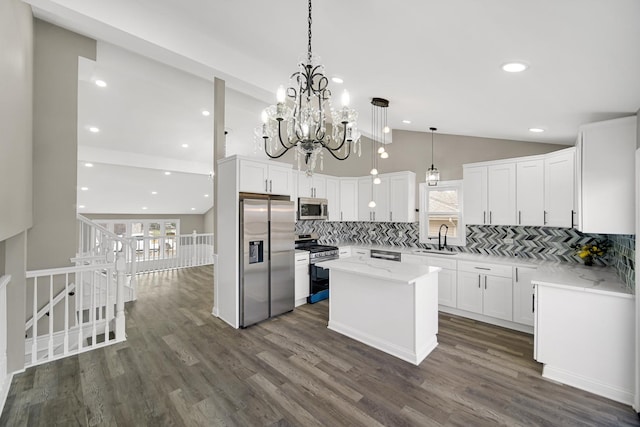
column 318, row 276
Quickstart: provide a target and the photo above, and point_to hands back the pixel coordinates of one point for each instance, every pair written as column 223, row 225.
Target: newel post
column 121, row 279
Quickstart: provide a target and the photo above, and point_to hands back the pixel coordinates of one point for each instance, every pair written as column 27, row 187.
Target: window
column 442, row 205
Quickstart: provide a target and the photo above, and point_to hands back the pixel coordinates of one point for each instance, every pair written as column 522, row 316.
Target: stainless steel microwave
column 312, row 208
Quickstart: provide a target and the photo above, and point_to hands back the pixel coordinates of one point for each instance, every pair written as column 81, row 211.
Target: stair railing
column 88, row 313
column 98, row 245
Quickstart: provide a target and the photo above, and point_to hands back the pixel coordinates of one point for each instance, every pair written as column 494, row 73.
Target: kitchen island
column 387, row 305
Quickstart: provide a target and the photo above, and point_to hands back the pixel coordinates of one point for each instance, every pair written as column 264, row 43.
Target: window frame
column 461, row 239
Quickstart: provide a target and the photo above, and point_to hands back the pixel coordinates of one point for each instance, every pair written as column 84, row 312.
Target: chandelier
column 432, row 175
column 303, row 109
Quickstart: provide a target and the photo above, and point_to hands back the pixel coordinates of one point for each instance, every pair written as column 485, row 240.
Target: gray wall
column 208, row 220
column 188, row 223
column 52, row 240
column 16, row 80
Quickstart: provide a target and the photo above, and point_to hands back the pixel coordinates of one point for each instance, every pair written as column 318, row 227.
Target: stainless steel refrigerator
column 267, row 258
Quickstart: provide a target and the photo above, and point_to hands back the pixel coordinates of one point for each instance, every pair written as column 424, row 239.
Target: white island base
column 387, row 305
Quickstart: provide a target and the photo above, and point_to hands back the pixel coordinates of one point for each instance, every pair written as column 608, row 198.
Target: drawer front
column 450, row 264
column 302, row 259
column 488, row 269
column 360, row 252
column 344, row 252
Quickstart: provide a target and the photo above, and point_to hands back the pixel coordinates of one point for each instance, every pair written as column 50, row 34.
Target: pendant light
column 433, row 175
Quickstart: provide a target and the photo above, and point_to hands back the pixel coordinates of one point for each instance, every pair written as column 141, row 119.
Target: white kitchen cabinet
column 312, row 186
column 332, row 194
column 268, row 177
column 344, row 251
column 490, row 194
column 559, row 188
column 301, row 277
column 348, row 199
column 394, row 198
column 475, row 194
column 485, row 289
column 605, row 163
column 530, row 192
column 501, row 194
column 523, row 295
column 447, row 277
column 402, row 197
column 584, row 336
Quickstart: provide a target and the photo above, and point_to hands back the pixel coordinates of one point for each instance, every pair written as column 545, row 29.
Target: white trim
column 4, row 390
column 636, row 400
column 587, row 384
column 487, row 319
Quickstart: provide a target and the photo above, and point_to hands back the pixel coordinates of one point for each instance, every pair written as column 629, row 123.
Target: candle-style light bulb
column 305, row 130
column 265, row 116
column 345, row 98
column 281, row 94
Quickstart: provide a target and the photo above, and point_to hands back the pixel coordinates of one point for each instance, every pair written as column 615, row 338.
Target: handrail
column 73, row 269
column 47, row 307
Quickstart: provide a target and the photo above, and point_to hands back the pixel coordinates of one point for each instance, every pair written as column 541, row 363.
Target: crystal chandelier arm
column 333, row 151
column 285, row 146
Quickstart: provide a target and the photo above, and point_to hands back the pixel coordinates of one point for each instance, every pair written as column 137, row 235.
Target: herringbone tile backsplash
column 542, row 243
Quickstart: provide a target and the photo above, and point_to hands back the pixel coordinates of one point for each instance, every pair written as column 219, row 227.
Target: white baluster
column 194, row 256
column 50, row 317
column 66, row 313
column 120, row 321
column 34, row 328
column 92, row 313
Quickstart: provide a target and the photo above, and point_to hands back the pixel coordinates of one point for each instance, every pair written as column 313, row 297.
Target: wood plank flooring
column 182, row 367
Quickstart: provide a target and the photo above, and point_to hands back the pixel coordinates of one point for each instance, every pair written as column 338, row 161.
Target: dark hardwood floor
column 181, row 366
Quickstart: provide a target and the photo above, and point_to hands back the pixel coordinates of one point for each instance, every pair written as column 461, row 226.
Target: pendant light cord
column 309, row 46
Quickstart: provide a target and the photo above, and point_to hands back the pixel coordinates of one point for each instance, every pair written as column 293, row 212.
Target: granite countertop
column 300, row 251
column 381, row 269
column 600, row 280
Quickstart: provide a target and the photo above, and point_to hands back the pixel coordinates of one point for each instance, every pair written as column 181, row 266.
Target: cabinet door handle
column 340, row 216
column 265, row 185
column 520, row 217
column 391, row 216
column 490, row 217
column 544, row 217
column 516, row 274
column 485, row 282
column 484, row 217
column 572, row 214
column 270, row 186
column 533, row 303
column 479, row 278
column 482, row 268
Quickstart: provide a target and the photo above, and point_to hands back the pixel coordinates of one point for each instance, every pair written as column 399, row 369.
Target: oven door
column 318, row 283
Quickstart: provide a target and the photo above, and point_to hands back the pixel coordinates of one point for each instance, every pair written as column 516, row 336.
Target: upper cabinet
column 490, row 194
column 559, row 210
column 394, row 197
column 530, row 192
column 605, row 170
column 348, row 199
column 312, row 186
column 256, row 176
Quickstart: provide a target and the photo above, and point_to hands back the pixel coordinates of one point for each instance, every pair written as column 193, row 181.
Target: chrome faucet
column 446, row 229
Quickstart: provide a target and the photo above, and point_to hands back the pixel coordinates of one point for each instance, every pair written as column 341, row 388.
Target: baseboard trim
column 588, row 384
column 487, row 319
column 4, row 390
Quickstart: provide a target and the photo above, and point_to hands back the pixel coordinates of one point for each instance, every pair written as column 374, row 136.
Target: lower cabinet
column 447, row 292
column 485, row 289
column 344, row 251
column 301, row 277
column 523, row 295
column 362, row 252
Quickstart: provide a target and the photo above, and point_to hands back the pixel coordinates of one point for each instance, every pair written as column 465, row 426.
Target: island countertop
column 380, row 268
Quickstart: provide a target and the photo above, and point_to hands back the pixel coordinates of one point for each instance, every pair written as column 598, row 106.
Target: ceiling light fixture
column 193, row 209
column 101, row 83
column 337, row 80
column 406, row 122
column 167, row 173
column 514, row 67
column 154, row 192
column 185, row 145
column 88, row 165
column 536, row 130
column 379, row 130
column 84, row 188
column 305, row 118
column 433, row 175
column 144, row 208
column 94, row 129
column 82, row 206
column 206, row 195
column 206, row 113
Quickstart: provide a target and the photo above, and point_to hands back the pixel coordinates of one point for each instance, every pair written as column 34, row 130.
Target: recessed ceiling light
column 337, row 79
column 514, row 67
column 536, row 130
column 185, row 145
column 193, row 209
column 154, row 192
column 206, row 195
column 167, row 173
column 406, row 122
column 94, row 129
column 101, row 83
column 84, row 188
column 144, row 208
column 206, row 113
column 82, row 206
column 88, row 165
